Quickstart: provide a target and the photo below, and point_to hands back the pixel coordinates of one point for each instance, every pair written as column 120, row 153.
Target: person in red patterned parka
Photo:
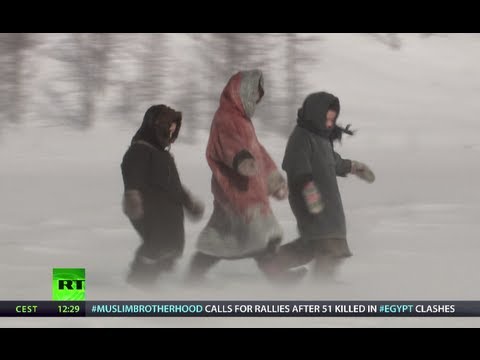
column 243, row 177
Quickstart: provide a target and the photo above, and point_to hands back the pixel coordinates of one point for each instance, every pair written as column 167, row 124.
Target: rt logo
column 68, row 284
column 71, row 284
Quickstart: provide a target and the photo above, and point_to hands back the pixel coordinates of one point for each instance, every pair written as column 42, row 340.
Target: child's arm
column 277, row 185
column 134, row 171
column 343, row 167
column 194, row 207
column 232, row 148
column 297, row 160
column 298, row 166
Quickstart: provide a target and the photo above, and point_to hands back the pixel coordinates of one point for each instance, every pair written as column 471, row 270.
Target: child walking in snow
column 312, row 167
column 243, row 177
column 154, row 197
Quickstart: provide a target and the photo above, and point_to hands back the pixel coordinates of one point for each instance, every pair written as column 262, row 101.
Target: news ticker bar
column 239, row 308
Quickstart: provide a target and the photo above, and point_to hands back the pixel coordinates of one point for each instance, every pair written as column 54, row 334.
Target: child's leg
column 152, row 258
column 276, row 262
column 139, row 226
column 296, row 253
column 200, row 264
column 143, row 270
column 167, row 264
column 329, row 255
column 325, row 267
column 291, row 255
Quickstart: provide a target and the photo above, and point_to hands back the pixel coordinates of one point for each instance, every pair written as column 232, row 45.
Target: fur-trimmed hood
column 156, row 124
column 243, row 92
column 313, row 114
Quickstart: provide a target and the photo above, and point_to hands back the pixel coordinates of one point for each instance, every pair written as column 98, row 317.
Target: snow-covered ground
column 414, row 232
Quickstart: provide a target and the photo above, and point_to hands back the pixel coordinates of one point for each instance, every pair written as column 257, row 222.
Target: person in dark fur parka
column 154, row 197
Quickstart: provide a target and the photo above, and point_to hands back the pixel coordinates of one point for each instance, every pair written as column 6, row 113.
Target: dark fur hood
column 156, row 124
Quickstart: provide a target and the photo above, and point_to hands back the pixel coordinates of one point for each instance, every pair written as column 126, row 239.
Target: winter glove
column 312, row 198
column 362, row 171
column 282, row 193
column 193, row 206
column 277, row 186
column 133, row 204
column 248, row 167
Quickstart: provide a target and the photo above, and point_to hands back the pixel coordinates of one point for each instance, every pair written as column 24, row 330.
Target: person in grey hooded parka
column 312, row 167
